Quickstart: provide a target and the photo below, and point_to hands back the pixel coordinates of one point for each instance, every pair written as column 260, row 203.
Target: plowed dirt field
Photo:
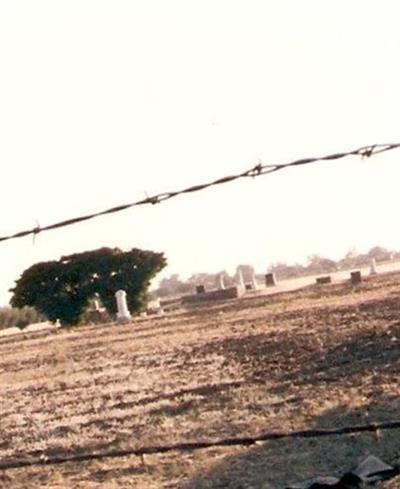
column 318, row 358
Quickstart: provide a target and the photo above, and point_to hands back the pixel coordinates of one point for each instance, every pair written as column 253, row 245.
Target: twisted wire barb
column 256, row 171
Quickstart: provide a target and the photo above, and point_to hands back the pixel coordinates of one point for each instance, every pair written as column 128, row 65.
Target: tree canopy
column 62, row 289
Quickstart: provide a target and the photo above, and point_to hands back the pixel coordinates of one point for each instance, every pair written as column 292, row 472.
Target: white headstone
column 123, row 314
column 240, row 281
column 372, row 270
column 221, row 284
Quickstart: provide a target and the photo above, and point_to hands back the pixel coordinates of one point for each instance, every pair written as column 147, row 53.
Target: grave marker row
column 124, row 316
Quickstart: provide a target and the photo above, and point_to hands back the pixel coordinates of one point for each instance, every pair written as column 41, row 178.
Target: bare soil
column 323, row 357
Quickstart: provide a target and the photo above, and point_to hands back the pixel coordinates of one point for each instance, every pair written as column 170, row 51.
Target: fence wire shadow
column 278, row 463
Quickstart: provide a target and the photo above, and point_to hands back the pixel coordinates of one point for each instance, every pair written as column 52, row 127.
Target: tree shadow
column 367, row 362
column 278, row 463
column 360, row 364
column 300, row 356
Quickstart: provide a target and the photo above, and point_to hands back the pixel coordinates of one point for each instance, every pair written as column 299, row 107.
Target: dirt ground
column 322, row 357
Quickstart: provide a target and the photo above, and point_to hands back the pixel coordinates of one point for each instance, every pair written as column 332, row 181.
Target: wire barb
column 35, row 231
column 153, row 200
column 367, row 153
column 256, row 171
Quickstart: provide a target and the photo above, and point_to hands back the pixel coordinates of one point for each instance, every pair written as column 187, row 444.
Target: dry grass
column 317, row 358
column 393, row 484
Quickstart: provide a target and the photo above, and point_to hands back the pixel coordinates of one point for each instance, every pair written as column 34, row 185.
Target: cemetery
column 269, row 361
column 200, row 263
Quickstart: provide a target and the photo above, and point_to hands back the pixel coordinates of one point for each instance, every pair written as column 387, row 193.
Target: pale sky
column 102, row 102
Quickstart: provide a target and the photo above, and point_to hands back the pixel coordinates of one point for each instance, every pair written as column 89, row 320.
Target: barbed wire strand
column 33, row 460
column 256, row 171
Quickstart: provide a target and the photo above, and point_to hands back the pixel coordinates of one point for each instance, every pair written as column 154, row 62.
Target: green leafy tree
column 62, row 289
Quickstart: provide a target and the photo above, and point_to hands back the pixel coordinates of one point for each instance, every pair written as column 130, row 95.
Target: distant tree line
column 10, row 317
column 316, row 264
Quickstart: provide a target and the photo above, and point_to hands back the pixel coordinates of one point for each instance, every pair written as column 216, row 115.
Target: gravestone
column 200, row 289
column 239, row 279
column 323, row 280
column 221, row 283
column 270, row 280
column 123, row 314
column 372, row 270
column 355, row 277
column 96, row 304
column 215, row 295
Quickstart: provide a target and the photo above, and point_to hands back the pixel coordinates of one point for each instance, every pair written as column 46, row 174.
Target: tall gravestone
column 123, row 314
column 254, row 283
column 239, row 280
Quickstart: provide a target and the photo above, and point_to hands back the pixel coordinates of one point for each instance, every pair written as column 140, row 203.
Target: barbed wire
column 33, row 459
column 256, row 171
